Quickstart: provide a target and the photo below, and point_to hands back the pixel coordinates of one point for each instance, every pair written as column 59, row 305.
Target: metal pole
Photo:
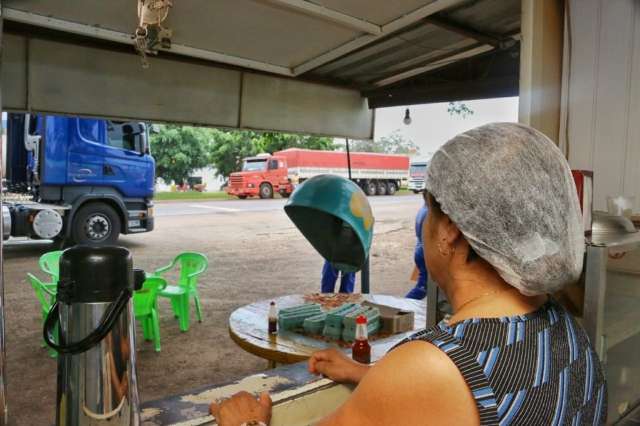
column 3, row 398
column 364, row 273
column 348, row 159
column 364, row 278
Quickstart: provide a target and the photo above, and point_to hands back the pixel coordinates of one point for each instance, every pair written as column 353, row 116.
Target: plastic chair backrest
column 50, row 264
column 192, row 264
column 41, row 292
column 145, row 299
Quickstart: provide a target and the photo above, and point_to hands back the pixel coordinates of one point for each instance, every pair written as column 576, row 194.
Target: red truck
column 266, row 174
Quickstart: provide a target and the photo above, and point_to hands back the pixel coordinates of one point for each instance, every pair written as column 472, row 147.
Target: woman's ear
column 450, row 231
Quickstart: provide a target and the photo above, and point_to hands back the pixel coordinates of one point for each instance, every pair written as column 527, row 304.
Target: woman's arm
column 414, row 384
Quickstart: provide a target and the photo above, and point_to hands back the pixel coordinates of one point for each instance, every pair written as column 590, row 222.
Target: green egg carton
column 372, row 314
column 332, row 332
column 314, row 324
column 349, row 333
column 335, row 316
column 292, row 318
column 298, row 308
column 333, row 321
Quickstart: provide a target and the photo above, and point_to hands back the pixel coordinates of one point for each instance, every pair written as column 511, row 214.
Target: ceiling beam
column 331, row 15
column 125, row 38
column 447, row 24
column 433, row 65
column 393, row 26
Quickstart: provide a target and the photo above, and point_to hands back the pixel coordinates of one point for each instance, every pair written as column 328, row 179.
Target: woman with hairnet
column 502, row 233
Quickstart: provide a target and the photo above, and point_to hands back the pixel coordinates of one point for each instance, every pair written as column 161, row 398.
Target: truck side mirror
column 144, row 139
column 31, row 141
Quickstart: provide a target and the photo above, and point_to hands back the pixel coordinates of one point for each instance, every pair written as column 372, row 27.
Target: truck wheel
column 285, row 194
column 381, row 188
column 391, row 188
column 370, row 188
column 96, row 224
column 242, row 197
column 266, row 191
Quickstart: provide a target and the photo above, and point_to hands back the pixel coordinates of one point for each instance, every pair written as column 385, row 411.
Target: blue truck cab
column 87, row 180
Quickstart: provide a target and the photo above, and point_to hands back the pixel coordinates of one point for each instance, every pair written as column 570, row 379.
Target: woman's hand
column 337, row 366
column 240, row 408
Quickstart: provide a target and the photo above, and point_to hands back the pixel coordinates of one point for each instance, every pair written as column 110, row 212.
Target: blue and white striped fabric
column 528, row 369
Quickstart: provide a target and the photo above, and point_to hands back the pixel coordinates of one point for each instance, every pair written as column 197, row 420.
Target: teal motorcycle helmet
column 335, row 216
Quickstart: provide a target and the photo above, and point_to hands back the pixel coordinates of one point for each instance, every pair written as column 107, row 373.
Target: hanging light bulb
column 407, row 117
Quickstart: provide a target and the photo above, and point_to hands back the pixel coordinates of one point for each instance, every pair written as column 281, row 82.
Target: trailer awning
column 292, row 65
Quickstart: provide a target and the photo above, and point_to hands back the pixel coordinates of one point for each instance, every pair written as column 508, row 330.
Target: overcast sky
column 432, row 125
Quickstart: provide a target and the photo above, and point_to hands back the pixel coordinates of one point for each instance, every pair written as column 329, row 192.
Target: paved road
column 181, row 208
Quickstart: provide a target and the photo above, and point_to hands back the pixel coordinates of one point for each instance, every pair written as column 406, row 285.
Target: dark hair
column 435, row 208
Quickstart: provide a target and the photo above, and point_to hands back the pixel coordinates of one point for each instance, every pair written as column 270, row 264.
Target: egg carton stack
column 349, row 322
column 333, row 321
column 293, row 318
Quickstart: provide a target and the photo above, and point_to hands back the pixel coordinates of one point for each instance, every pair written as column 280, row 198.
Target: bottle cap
column 361, row 319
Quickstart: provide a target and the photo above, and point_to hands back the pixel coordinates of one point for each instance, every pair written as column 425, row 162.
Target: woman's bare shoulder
column 413, row 384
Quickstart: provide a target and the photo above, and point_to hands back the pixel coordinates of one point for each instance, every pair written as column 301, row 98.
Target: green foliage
column 179, row 150
column 229, row 148
column 272, row 141
column 394, row 143
column 459, row 109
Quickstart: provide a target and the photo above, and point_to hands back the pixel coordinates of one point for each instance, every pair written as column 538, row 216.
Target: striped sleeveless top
column 534, row 369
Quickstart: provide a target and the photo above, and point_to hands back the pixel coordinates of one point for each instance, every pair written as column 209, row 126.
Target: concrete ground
column 254, row 252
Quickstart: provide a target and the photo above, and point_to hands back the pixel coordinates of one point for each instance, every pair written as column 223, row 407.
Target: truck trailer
column 264, row 175
column 76, row 180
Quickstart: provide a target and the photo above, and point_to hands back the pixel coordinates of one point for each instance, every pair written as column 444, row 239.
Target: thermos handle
column 106, row 324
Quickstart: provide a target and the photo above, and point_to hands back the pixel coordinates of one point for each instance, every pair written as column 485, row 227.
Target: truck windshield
column 254, row 165
column 418, row 169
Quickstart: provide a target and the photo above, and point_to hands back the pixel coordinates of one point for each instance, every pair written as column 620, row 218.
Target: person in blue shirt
column 330, row 276
column 420, row 290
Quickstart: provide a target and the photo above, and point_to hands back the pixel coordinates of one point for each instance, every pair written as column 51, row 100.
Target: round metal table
column 248, row 328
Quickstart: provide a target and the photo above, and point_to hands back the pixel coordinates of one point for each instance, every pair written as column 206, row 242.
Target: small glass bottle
column 361, row 351
column 273, row 318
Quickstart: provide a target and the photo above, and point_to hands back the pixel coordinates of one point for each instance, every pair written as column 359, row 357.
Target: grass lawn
column 219, row 195
column 192, row 195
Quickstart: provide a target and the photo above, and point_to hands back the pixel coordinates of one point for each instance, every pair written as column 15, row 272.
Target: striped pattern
column 527, row 369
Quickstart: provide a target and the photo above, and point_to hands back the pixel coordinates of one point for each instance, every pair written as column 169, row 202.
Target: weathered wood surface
column 248, row 328
column 285, row 383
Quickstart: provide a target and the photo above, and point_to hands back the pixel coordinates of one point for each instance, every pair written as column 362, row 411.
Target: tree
column 459, row 108
column 395, row 143
column 179, row 150
column 230, row 147
column 274, row 141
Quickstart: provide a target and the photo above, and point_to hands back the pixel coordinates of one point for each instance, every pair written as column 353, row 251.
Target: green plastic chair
column 145, row 308
column 44, row 296
column 50, row 264
column 191, row 265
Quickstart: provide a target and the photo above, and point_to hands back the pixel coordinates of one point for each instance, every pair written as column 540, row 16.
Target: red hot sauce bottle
column 273, row 318
column 361, row 351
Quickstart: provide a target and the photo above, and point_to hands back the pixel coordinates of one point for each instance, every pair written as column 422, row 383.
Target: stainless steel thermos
column 92, row 327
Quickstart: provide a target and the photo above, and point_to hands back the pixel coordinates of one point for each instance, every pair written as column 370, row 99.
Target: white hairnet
column 509, row 190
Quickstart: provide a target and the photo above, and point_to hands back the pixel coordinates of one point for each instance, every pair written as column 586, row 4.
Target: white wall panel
column 604, row 91
column 14, row 72
column 57, row 77
column 78, row 79
column 293, row 105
